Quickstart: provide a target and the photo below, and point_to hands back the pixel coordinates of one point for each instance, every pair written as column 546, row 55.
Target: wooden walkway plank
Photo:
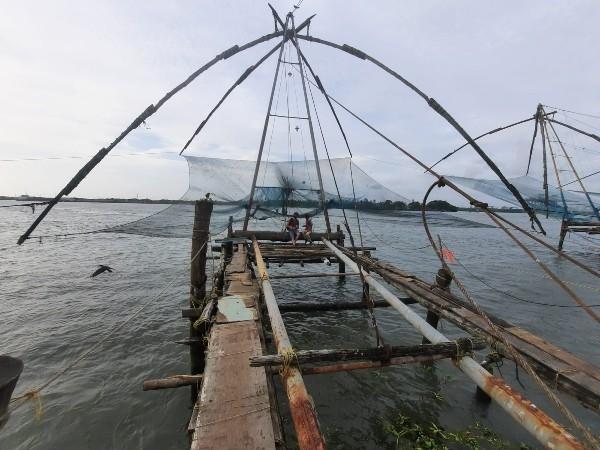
column 235, row 408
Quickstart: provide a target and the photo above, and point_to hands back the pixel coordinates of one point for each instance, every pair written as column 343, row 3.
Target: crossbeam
column 449, row 349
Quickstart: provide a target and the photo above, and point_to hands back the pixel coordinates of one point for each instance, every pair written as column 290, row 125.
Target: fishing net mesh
column 279, row 186
column 572, row 205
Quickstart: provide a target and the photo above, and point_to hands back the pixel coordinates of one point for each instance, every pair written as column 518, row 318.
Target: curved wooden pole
column 239, row 81
column 433, row 104
column 149, row 111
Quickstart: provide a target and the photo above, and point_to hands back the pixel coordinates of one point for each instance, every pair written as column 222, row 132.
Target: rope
column 34, row 394
column 31, row 205
column 290, row 358
column 502, row 338
column 572, row 112
column 365, row 289
column 508, row 294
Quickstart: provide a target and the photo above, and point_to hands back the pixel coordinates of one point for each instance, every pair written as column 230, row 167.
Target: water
column 52, row 312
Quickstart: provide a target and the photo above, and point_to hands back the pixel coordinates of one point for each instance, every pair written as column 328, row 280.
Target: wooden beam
column 361, row 365
column 302, row 407
column 334, row 306
column 174, row 381
column 449, row 349
column 310, row 275
column 276, row 235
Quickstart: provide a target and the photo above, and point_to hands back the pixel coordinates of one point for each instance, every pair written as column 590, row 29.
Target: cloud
column 74, row 75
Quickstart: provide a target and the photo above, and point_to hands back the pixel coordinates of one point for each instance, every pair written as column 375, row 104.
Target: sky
column 73, row 75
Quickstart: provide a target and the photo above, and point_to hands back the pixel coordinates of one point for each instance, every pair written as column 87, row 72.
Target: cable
column 499, row 335
column 572, row 112
column 514, row 296
column 50, row 158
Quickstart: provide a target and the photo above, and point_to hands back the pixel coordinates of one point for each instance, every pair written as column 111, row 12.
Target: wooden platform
column 235, row 409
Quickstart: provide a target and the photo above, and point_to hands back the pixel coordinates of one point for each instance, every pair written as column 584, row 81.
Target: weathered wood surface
column 559, row 368
column 277, row 236
column 311, row 275
column 450, row 349
column 234, row 406
column 303, row 306
column 306, row 306
column 362, row 365
column 173, row 381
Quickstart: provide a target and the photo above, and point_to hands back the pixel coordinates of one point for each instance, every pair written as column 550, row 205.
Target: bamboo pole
column 174, row 381
column 265, row 127
column 362, row 365
column 584, row 190
column 302, row 410
column 312, row 132
column 311, row 275
column 433, row 104
column 450, row 349
column 540, row 425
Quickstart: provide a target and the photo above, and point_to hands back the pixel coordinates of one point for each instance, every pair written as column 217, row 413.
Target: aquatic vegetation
column 411, row 434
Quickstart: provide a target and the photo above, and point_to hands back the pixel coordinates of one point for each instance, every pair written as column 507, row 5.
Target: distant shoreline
column 34, row 198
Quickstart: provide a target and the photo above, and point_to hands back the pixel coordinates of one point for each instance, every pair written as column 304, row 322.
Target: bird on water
column 101, row 269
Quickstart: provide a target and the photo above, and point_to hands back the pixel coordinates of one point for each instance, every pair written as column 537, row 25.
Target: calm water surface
column 51, row 312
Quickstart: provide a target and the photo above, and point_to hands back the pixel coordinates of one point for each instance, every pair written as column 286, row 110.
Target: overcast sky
column 73, row 75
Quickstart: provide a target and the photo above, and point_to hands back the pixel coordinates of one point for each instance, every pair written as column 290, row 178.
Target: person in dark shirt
column 308, row 228
column 293, row 227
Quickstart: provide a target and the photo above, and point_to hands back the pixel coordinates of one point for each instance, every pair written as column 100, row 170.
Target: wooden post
column 442, row 280
column 340, row 242
column 198, row 284
column 563, row 232
column 230, row 227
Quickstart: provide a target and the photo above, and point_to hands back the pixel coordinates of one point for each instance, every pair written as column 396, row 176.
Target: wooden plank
column 234, row 407
column 232, row 308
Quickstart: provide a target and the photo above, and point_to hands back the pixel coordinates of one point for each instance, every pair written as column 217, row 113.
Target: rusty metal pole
column 200, row 236
column 302, row 409
column 539, row 424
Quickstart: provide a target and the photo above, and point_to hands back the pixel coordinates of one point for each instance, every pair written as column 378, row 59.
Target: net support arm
column 239, row 81
column 433, row 104
column 583, row 189
column 149, row 111
column 264, row 132
column 571, row 127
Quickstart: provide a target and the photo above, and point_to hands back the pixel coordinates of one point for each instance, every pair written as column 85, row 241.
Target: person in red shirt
column 293, row 227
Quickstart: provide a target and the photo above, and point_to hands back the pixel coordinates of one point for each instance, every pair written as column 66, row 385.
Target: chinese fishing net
column 572, row 205
column 280, row 186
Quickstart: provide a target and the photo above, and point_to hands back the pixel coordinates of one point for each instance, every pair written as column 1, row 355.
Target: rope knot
column 290, row 357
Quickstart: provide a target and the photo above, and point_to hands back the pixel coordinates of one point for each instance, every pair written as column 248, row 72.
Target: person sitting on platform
column 292, row 227
column 308, row 228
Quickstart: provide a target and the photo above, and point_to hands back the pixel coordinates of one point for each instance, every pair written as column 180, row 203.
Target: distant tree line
column 389, row 205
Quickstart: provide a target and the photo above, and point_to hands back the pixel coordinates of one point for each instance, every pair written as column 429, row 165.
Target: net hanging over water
column 280, row 185
column 568, row 204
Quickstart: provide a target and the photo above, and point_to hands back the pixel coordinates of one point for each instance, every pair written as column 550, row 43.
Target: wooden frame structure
column 245, row 345
column 235, row 404
column 568, row 224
